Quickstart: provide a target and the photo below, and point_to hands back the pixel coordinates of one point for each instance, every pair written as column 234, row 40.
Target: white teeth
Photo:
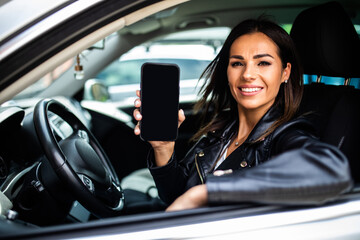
column 249, row 90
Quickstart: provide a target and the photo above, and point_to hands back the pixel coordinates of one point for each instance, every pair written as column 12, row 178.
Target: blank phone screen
column 159, row 102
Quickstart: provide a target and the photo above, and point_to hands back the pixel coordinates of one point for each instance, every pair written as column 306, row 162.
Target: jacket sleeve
column 303, row 171
column 170, row 179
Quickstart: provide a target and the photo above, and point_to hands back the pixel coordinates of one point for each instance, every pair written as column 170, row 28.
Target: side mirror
column 96, row 91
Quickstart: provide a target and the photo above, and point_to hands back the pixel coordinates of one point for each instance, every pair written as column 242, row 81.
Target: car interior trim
column 147, row 11
column 8, row 187
column 249, row 224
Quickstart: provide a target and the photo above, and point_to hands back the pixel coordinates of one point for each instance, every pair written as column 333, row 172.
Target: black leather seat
column 328, row 45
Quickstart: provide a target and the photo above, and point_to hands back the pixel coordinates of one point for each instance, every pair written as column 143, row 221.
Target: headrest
column 327, row 41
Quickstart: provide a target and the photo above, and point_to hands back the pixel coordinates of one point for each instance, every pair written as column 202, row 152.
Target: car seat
column 328, row 45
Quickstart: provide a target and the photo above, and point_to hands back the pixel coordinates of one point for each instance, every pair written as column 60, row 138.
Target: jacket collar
column 265, row 122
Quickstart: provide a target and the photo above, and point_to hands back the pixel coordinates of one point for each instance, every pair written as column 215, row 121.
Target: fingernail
column 138, row 115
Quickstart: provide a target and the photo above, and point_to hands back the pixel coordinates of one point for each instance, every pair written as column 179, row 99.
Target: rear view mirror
column 98, row 45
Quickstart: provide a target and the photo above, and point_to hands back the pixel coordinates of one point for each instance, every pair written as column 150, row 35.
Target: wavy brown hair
column 216, row 97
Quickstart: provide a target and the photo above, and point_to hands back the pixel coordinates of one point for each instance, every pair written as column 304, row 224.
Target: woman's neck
column 248, row 120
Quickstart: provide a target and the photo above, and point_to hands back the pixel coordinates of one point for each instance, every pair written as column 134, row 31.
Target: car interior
column 328, row 46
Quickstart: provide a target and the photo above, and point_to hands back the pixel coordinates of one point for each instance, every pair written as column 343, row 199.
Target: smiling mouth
column 250, row 90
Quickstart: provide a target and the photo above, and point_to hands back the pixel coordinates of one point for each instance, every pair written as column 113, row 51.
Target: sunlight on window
column 357, row 28
column 287, row 27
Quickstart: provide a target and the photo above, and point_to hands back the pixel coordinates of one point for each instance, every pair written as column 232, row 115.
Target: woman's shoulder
column 299, row 124
column 294, row 134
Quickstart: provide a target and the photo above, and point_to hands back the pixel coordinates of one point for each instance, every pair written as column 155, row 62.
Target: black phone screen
column 159, row 101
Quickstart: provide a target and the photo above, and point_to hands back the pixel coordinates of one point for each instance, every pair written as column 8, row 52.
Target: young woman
column 253, row 149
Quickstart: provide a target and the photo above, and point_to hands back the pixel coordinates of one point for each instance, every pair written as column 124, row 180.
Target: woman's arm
column 169, row 177
column 193, row 198
column 305, row 171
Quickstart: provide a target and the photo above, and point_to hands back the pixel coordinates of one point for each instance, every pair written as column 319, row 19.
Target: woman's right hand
column 163, row 150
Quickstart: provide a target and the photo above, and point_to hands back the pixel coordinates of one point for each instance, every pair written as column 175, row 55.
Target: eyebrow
column 255, row 57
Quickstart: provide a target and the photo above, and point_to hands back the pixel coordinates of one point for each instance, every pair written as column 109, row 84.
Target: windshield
column 127, row 72
column 189, row 50
column 127, row 69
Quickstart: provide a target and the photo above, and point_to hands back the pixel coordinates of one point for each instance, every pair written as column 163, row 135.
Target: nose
column 249, row 72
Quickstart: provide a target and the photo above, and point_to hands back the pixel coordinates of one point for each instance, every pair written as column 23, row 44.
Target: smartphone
column 159, row 101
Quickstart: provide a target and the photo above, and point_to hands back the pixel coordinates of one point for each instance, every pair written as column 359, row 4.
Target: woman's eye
column 234, row 64
column 264, row 63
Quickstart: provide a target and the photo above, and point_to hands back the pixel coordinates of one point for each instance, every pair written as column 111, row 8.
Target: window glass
column 357, row 28
column 355, row 82
column 192, row 51
column 308, row 79
column 287, row 27
column 191, row 59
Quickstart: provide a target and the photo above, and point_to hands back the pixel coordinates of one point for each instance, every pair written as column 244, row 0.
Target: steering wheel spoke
column 87, row 182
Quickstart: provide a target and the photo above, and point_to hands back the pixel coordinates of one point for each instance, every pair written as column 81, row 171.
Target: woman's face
column 255, row 72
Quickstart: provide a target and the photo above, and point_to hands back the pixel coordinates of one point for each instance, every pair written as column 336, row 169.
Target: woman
column 254, row 88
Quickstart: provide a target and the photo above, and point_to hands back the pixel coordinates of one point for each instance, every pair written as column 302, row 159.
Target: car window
column 191, row 50
column 308, row 79
column 126, row 70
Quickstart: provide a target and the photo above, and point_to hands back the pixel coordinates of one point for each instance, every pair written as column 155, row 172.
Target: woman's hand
column 162, row 149
column 193, row 198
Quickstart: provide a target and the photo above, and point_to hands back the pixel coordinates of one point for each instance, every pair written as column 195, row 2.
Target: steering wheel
column 79, row 161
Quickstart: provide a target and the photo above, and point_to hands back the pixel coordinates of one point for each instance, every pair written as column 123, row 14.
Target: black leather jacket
column 300, row 170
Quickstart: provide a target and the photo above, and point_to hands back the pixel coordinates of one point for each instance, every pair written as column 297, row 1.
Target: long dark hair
column 216, row 97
